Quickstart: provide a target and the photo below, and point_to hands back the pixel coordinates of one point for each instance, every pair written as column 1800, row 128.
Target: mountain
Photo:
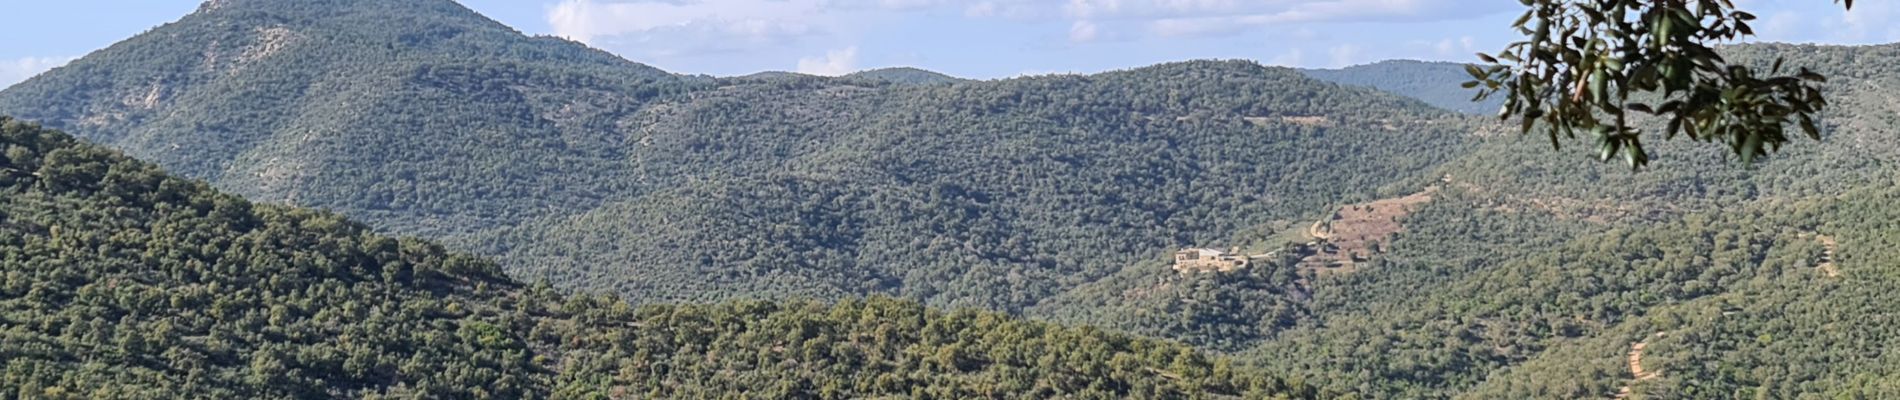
column 274, row 98
column 1533, row 273
column 123, row 282
column 1403, row 251
column 1436, row 83
column 906, row 76
column 565, row 163
column 988, row 194
column 767, row 75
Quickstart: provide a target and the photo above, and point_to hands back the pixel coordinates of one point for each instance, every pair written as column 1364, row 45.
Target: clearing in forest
column 1829, row 248
column 1357, row 232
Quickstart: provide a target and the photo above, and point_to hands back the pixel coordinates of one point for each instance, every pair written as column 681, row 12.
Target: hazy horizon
column 963, row 38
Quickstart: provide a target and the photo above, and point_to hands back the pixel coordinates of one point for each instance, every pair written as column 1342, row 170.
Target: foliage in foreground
column 1594, row 67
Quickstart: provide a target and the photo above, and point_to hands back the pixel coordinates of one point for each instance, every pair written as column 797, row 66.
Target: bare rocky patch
column 1355, row 233
column 270, row 41
column 1829, row 248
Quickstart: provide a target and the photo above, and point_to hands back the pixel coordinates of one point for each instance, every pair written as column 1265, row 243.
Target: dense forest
column 567, row 164
column 1773, row 298
column 1534, row 274
column 122, row 282
column 993, row 194
column 828, row 219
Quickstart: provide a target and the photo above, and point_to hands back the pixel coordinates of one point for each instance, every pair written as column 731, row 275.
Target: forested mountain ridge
column 1535, row 273
column 1435, row 83
column 1529, row 273
column 907, row 76
column 566, row 163
column 1856, row 151
column 122, row 282
column 991, row 194
column 274, row 99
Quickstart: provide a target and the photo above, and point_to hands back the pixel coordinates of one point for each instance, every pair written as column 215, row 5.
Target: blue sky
column 970, row 38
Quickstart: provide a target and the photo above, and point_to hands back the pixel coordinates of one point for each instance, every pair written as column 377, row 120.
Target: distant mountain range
column 1435, row 83
column 906, row 75
column 1459, row 259
column 896, row 75
column 569, row 164
column 122, row 282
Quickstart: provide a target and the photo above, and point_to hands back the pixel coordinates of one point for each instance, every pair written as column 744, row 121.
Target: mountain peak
column 367, row 15
column 906, row 75
column 273, row 65
column 281, row 5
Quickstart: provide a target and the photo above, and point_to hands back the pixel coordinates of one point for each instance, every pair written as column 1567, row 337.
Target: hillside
column 906, row 76
column 769, row 75
column 1435, row 83
column 1534, row 274
column 122, row 282
column 988, row 194
column 472, row 124
column 420, row 117
column 1483, row 263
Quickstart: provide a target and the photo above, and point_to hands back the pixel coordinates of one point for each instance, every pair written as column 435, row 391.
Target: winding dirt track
column 1636, row 368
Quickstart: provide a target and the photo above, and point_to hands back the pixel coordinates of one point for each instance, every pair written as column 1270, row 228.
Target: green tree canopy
column 1590, row 65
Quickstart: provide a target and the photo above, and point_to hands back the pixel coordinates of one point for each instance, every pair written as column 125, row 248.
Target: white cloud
column 1170, row 18
column 1453, row 47
column 833, row 63
column 1084, row 31
column 712, row 21
column 19, row 70
column 590, row 21
column 1307, row 34
column 1345, row 55
column 1012, row 9
column 1266, row 11
column 1158, row 8
column 726, row 36
column 1292, row 58
column 1871, row 21
column 1806, row 21
column 759, row 22
column 981, row 9
column 1444, row 47
column 1782, row 26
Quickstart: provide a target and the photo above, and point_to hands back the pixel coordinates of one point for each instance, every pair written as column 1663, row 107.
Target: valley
column 123, row 282
column 553, row 220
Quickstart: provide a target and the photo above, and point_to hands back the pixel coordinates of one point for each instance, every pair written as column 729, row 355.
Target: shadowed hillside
column 122, row 282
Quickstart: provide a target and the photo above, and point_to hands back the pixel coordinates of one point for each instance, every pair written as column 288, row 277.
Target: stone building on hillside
column 1207, row 260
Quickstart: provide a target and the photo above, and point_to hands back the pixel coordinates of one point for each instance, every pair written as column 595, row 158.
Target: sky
column 967, row 38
